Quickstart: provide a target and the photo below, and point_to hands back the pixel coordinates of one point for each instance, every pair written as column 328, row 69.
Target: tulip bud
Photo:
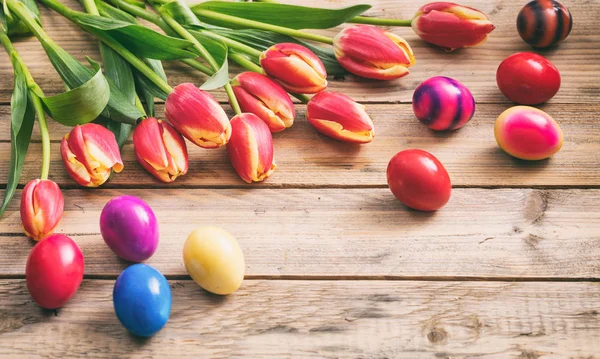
column 250, row 149
column 42, row 207
column 451, row 26
column 198, row 116
column 338, row 116
column 160, row 149
column 89, row 152
column 265, row 98
column 295, row 67
column 371, row 52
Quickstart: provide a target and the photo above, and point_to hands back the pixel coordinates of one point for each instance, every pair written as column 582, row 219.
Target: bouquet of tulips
column 268, row 39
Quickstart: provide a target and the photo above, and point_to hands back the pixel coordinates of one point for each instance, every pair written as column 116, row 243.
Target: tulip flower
column 451, row 26
column 265, row 98
column 295, row 67
column 89, row 152
column 250, row 149
column 371, row 52
column 198, row 116
column 160, row 149
column 338, row 116
column 42, row 207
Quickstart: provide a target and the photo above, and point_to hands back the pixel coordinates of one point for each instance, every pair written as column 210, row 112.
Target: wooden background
column 336, row 267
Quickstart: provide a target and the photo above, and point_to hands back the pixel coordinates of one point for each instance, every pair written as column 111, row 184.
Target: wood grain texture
column 516, row 233
column 323, row 319
column 576, row 58
column 306, row 158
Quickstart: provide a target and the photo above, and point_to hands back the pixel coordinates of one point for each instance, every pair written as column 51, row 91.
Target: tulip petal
column 42, row 206
column 250, row 149
column 451, row 26
column 89, row 153
column 295, row 67
column 338, row 116
column 370, row 52
column 198, row 116
column 160, row 149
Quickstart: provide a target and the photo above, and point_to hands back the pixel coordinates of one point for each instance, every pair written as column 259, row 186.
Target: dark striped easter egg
column 443, row 103
column 543, row 23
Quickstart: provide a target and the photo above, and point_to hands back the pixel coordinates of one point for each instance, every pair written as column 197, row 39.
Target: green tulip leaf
column 140, row 40
column 81, row 104
column 75, row 74
column 262, row 40
column 118, row 71
column 22, row 117
column 290, row 16
column 148, row 85
column 16, row 28
column 218, row 50
column 112, row 12
column 182, row 14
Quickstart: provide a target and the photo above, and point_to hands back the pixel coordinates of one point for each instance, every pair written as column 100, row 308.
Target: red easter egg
column 419, row 180
column 54, row 271
column 527, row 78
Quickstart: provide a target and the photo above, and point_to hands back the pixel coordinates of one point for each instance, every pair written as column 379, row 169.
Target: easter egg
column 543, row 23
column 142, row 300
column 419, row 180
column 129, row 228
column 527, row 78
column 54, row 271
column 442, row 103
column 528, row 133
column 214, row 260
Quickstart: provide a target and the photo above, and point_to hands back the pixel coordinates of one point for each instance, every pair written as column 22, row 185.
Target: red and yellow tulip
column 198, row 116
column 265, row 98
column 42, row 205
column 451, row 26
column 89, row 153
column 338, row 116
column 371, row 52
column 250, row 149
column 160, row 149
column 295, row 67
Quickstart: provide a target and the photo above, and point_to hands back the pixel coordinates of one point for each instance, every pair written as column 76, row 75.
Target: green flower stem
column 232, row 44
column 178, row 28
column 41, row 116
column 34, row 92
column 24, row 15
column 142, row 14
column 90, row 7
column 158, row 21
column 110, row 42
column 244, row 62
column 303, row 98
column 195, row 64
column 378, row 21
column 234, row 20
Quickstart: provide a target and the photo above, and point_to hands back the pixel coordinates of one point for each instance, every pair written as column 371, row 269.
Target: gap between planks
column 358, row 278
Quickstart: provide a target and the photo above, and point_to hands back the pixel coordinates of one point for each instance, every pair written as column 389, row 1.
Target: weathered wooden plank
column 319, row 319
column 306, row 158
column 520, row 233
column 476, row 67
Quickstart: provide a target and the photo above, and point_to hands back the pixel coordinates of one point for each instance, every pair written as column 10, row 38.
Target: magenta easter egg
column 442, row 103
column 528, row 133
column 129, row 227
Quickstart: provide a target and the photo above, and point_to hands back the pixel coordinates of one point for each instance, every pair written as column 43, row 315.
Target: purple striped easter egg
column 442, row 103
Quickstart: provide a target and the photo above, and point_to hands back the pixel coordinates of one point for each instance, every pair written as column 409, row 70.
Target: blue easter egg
column 142, row 300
